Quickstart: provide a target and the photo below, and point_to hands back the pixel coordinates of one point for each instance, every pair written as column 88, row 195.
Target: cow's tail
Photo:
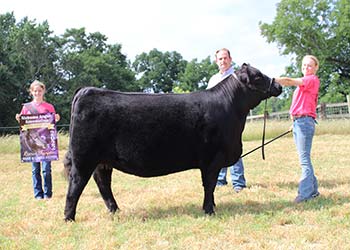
column 74, row 100
column 67, row 162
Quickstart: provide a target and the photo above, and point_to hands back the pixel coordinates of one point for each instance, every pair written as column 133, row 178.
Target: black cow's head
column 257, row 81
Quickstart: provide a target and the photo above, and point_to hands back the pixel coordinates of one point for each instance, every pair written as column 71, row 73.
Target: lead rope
column 264, row 128
column 279, row 136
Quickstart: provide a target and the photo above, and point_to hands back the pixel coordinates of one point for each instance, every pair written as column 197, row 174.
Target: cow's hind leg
column 103, row 179
column 77, row 183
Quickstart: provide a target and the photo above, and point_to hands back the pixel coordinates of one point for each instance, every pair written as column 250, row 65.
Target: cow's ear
column 243, row 76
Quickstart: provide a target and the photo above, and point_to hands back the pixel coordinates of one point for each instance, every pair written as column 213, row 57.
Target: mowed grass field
column 165, row 212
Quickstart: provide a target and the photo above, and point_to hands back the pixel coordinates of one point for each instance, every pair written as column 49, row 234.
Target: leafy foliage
column 158, row 71
column 27, row 52
column 75, row 59
column 197, row 74
column 321, row 28
column 87, row 60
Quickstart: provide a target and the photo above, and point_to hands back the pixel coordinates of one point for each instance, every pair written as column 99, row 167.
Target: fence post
column 323, row 114
column 348, row 100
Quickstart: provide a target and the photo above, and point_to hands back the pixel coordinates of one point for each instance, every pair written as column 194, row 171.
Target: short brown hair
column 223, row 49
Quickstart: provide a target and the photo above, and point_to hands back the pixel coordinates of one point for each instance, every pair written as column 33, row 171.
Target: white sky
column 193, row 28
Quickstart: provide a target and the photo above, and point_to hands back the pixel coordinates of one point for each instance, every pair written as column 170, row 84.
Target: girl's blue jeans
column 42, row 191
column 303, row 133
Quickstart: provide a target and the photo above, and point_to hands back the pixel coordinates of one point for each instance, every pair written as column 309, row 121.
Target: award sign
column 38, row 138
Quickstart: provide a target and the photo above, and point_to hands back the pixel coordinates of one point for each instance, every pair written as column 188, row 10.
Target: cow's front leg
column 77, row 183
column 209, row 181
column 103, row 179
column 208, row 203
column 210, row 174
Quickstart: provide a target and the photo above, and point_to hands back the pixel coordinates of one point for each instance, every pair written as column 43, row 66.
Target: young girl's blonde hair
column 37, row 83
column 314, row 58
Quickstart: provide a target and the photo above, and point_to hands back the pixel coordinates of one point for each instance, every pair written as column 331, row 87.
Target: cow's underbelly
column 152, row 171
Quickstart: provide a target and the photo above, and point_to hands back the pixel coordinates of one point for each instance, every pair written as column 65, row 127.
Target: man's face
column 223, row 60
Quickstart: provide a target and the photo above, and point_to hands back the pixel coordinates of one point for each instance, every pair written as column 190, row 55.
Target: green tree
column 87, row 60
column 196, row 75
column 30, row 51
column 157, row 71
column 8, row 80
column 27, row 52
column 321, row 28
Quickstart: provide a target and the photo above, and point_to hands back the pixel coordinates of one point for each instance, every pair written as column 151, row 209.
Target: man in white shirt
column 224, row 61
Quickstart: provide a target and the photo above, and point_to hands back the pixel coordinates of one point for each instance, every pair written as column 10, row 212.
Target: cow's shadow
column 328, row 184
column 242, row 206
column 256, row 208
column 234, row 208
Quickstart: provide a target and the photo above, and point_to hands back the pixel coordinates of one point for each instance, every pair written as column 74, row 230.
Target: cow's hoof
column 114, row 209
column 210, row 213
column 69, row 220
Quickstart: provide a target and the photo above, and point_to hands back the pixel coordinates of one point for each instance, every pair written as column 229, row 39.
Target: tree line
column 320, row 28
column 30, row 50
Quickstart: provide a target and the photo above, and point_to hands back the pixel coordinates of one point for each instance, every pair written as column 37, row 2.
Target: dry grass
column 165, row 212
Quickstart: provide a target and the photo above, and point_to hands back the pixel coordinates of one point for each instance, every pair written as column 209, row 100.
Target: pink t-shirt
column 305, row 97
column 33, row 108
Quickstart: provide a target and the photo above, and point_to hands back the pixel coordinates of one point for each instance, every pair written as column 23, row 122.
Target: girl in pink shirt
column 303, row 112
column 39, row 106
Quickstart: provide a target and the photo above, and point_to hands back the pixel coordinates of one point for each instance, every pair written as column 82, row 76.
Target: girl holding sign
column 39, row 106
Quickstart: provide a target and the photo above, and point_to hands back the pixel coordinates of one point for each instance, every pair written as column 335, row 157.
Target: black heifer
column 158, row 134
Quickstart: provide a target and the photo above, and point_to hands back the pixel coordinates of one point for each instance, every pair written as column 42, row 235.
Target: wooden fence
column 324, row 111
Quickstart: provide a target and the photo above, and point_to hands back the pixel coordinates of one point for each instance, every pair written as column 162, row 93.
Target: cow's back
column 142, row 134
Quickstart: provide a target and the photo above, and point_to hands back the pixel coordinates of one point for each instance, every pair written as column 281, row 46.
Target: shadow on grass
column 233, row 208
column 328, row 184
column 239, row 206
column 256, row 208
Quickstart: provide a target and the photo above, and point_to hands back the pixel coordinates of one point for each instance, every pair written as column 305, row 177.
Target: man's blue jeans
column 237, row 175
column 303, row 132
column 39, row 192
